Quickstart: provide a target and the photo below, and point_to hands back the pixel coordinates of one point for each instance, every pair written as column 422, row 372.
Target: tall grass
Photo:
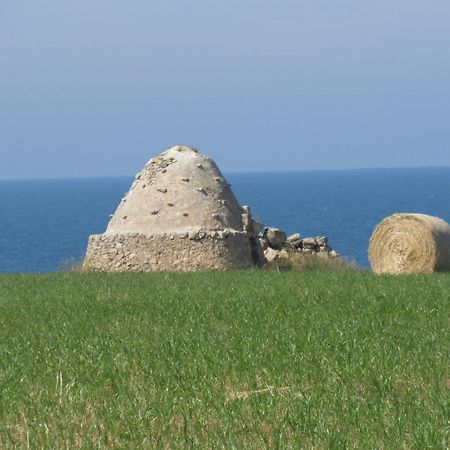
column 316, row 261
column 224, row 360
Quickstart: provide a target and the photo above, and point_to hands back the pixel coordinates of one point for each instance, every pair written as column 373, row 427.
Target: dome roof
column 178, row 191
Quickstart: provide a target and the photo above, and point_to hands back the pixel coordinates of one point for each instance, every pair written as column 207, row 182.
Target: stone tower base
column 196, row 250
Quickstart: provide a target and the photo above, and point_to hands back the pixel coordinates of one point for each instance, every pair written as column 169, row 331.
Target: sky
column 96, row 88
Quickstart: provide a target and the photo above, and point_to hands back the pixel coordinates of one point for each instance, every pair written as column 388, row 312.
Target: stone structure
column 180, row 214
column 277, row 246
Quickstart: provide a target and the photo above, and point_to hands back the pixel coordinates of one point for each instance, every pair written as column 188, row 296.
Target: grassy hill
column 224, row 360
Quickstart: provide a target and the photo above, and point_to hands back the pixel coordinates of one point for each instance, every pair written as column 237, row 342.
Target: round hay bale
column 410, row 243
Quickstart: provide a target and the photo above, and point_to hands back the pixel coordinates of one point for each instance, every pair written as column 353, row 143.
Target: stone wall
column 187, row 251
column 277, row 246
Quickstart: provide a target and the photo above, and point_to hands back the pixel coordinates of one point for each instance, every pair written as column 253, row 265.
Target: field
column 238, row 360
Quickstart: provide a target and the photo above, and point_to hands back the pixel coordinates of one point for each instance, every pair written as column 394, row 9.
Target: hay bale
column 410, row 243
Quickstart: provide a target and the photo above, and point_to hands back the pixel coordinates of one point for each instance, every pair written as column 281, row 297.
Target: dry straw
column 410, row 243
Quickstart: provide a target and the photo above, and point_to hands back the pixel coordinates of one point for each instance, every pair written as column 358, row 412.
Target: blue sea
column 46, row 223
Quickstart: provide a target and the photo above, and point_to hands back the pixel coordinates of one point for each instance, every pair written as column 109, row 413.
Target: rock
column 276, row 237
column 294, row 238
column 275, row 255
column 310, row 244
column 295, row 241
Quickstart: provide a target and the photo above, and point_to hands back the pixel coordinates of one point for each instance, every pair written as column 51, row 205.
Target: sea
column 45, row 224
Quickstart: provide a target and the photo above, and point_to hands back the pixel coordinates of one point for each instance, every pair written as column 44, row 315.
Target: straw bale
column 410, row 243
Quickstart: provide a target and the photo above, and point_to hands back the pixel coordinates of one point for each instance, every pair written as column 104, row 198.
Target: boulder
column 294, row 241
column 276, row 237
column 322, row 241
column 275, row 255
column 293, row 238
column 309, row 244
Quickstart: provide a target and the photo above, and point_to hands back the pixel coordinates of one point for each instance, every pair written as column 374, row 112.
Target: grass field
column 225, row 360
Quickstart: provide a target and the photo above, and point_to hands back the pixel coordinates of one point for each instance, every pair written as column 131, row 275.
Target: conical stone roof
column 180, row 190
column 179, row 214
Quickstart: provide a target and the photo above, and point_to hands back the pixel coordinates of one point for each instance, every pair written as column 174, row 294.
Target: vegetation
column 315, row 261
column 224, row 360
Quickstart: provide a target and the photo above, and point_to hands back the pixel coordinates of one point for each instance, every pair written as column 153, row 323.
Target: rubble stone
column 276, row 237
column 273, row 255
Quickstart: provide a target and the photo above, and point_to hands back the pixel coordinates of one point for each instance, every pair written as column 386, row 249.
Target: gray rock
column 310, row 244
column 294, row 238
column 295, row 241
column 276, row 237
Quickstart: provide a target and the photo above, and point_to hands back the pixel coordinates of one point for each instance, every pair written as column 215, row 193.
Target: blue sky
column 95, row 88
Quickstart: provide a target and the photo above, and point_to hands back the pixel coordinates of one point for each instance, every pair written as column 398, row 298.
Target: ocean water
column 45, row 223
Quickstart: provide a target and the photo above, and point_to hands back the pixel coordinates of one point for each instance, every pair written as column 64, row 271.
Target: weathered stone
column 276, row 237
column 310, row 244
column 273, row 255
column 294, row 241
column 153, row 228
column 294, row 238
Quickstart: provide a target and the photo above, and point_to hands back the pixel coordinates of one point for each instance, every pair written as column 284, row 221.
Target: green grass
column 224, row 360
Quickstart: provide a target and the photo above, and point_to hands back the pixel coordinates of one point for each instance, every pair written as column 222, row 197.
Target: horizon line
column 239, row 172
